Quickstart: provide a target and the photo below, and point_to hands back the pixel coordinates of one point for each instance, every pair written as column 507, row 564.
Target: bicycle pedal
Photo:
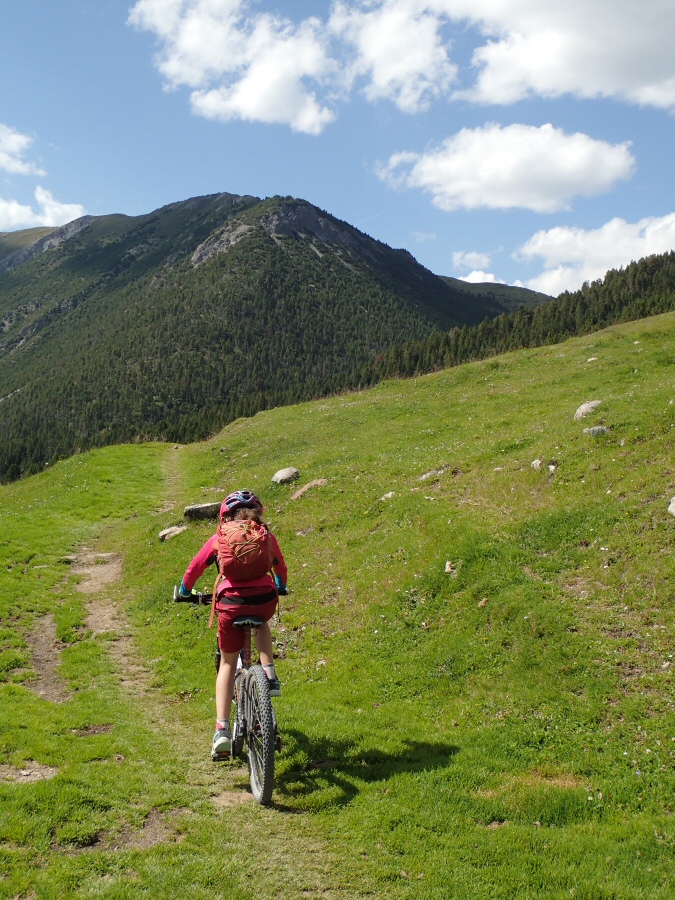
column 221, row 757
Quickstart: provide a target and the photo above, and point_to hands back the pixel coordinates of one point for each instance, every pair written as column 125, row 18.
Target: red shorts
column 231, row 639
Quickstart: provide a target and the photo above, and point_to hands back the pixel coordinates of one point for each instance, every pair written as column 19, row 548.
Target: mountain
column 11, row 241
column 508, row 296
column 169, row 325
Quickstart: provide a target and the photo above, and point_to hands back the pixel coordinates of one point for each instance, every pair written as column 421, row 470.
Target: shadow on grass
column 321, row 773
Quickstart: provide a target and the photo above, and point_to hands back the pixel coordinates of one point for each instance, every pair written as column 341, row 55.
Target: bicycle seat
column 248, row 622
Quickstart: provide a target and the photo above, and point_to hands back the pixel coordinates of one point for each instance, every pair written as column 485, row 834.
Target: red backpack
column 244, row 553
column 244, row 550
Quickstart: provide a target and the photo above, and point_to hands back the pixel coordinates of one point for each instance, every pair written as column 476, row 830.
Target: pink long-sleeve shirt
column 209, row 554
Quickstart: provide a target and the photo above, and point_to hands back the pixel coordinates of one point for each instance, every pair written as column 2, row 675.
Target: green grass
column 502, row 730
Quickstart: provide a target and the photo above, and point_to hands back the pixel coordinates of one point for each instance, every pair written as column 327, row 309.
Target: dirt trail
column 98, row 570
column 45, row 650
column 30, row 772
column 171, row 480
column 296, row 862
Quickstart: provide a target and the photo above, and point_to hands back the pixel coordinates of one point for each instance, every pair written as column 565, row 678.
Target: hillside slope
column 169, row 325
column 510, row 297
column 476, row 654
column 12, row 241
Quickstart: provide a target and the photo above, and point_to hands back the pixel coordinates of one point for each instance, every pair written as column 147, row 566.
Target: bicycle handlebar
column 202, row 599
column 195, row 597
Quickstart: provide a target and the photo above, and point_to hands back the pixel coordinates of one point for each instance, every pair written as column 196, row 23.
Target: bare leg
column 225, row 685
column 263, row 641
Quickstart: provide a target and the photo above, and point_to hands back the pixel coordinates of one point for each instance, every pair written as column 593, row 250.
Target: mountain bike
column 255, row 723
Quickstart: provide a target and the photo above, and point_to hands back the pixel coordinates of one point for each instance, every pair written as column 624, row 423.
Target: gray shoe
column 275, row 686
column 222, row 743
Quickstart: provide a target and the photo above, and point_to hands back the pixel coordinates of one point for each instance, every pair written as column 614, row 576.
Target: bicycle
column 255, row 723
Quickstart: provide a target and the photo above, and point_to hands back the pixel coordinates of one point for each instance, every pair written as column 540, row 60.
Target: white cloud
column 271, row 87
column 587, row 48
column 15, row 215
column 398, row 48
column 540, row 169
column 255, row 67
column 423, row 236
column 244, row 63
column 13, row 147
column 480, row 277
column 573, row 255
column 470, row 259
column 261, row 67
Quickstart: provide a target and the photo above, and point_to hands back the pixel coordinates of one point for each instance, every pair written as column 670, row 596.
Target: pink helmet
column 239, row 500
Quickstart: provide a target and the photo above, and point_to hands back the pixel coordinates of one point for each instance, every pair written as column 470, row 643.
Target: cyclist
column 257, row 596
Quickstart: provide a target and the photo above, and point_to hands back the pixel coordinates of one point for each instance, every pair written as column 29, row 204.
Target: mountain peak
column 171, row 324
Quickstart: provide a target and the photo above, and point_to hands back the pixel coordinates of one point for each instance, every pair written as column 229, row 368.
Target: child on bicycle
column 235, row 597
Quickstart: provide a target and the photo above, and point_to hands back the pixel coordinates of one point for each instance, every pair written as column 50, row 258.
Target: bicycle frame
column 255, row 723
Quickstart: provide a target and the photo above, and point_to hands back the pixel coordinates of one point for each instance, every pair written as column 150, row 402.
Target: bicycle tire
column 260, row 734
column 239, row 731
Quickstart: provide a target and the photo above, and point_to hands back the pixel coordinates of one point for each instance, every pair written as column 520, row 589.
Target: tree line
column 176, row 359
column 644, row 288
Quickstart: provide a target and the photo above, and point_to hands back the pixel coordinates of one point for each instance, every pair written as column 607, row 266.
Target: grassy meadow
column 477, row 653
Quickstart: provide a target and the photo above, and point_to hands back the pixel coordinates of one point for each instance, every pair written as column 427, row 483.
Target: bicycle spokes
column 260, row 734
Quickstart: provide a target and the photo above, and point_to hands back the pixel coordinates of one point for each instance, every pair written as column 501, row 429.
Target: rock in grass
column 202, row 511
column 318, row 482
column 671, row 508
column 536, row 464
column 596, row 430
column 586, row 409
column 285, row 476
column 172, row 532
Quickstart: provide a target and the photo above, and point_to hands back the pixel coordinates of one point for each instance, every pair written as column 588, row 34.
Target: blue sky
column 519, row 141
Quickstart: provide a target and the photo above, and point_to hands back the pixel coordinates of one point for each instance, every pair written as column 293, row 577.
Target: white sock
column 270, row 671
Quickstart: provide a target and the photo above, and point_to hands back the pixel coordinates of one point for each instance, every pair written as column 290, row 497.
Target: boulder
column 285, row 476
column 172, row 532
column 318, row 482
column 596, row 430
column 432, row 474
column 586, row 409
column 671, row 508
column 202, row 511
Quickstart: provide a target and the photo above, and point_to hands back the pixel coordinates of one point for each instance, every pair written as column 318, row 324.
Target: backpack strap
column 214, row 597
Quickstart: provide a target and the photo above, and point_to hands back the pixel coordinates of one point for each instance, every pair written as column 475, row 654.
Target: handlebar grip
column 195, row 597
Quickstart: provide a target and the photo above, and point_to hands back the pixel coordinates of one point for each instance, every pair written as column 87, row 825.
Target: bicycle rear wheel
column 239, row 727
column 260, row 734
